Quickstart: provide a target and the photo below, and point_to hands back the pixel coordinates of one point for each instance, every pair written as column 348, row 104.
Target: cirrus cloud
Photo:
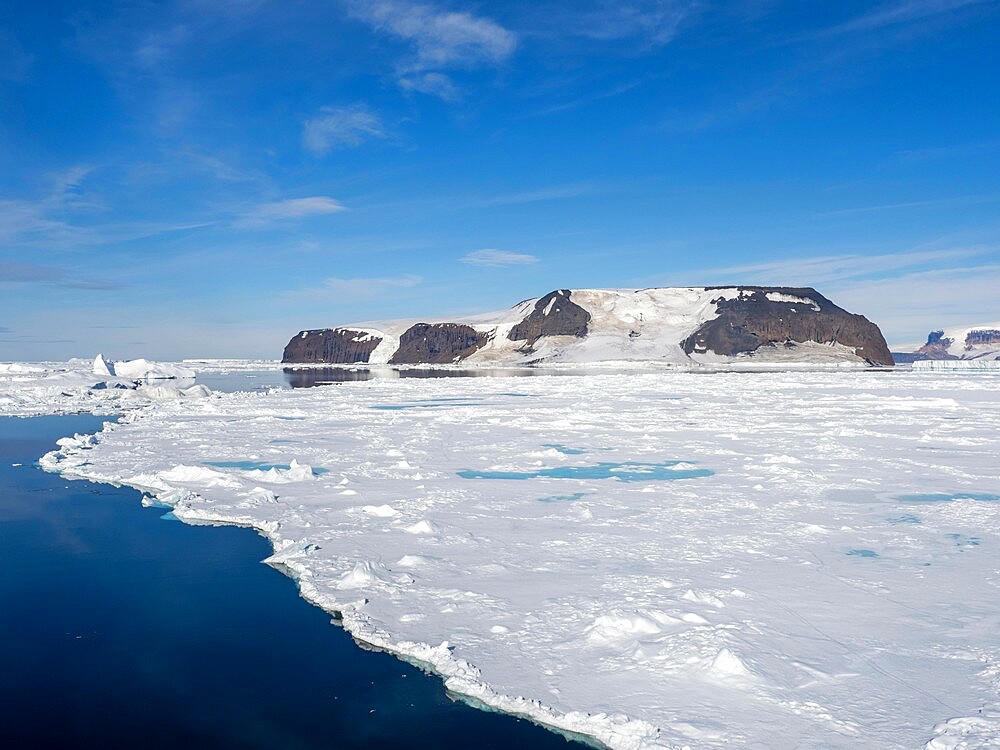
column 290, row 209
column 492, row 258
column 340, row 127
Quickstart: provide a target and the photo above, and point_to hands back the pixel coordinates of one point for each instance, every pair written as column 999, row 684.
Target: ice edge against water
column 461, row 678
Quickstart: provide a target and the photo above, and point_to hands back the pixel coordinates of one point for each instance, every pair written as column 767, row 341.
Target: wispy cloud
column 290, row 209
column 637, row 25
column 960, row 200
column 438, row 39
column 32, row 273
column 900, row 14
column 435, row 84
column 836, row 268
column 655, row 22
column 28, row 273
column 340, row 127
column 906, row 307
column 550, row 193
column 497, row 258
column 337, row 290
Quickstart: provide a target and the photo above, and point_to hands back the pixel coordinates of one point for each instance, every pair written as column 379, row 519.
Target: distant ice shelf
column 957, row 364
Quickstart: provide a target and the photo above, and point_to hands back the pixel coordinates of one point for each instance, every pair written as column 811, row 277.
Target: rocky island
column 673, row 325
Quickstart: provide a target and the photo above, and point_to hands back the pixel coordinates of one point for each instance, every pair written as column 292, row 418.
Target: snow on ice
column 100, row 387
column 701, row 609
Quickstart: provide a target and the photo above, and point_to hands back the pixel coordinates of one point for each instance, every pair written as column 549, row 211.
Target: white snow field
column 671, row 560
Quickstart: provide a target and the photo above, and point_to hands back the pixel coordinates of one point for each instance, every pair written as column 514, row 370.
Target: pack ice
column 671, row 560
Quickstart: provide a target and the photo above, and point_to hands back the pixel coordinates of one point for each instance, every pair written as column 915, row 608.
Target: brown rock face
column 330, row 345
column 982, row 337
column 554, row 315
column 752, row 320
column 437, row 344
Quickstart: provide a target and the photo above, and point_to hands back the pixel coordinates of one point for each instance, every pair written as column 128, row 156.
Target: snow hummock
column 718, row 611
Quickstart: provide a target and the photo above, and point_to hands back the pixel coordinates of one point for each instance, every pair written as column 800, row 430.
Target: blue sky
column 207, row 177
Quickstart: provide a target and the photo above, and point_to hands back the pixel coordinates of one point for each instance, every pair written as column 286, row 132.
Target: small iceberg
column 140, row 369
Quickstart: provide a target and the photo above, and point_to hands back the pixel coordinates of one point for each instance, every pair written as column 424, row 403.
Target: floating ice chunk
column 499, row 630
column 102, row 368
column 380, row 511
column 144, row 369
column 77, row 441
column 421, row 527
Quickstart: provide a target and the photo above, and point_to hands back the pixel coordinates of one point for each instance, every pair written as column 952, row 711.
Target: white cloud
column 341, row 127
column 497, row 258
column 293, row 208
column 900, row 13
column 440, row 38
column 907, row 307
column 832, row 268
column 435, row 84
column 357, row 289
column 654, row 21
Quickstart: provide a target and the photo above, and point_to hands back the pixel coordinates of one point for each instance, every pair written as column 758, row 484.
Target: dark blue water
column 120, row 630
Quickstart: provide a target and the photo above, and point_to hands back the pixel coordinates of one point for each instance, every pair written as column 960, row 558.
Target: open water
column 119, row 629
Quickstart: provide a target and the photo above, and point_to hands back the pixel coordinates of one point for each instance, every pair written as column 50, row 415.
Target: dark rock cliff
column 554, row 315
column 331, row 345
column 752, row 320
column 437, row 344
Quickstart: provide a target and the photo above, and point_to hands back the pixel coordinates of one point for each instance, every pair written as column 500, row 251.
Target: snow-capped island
column 679, row 326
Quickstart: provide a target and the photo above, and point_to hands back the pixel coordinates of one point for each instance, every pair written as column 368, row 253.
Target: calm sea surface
column 119, row 629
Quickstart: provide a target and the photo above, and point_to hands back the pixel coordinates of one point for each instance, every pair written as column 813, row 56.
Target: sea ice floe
column 613, row 604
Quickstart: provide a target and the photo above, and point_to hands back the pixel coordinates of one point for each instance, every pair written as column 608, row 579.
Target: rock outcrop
column 776, row 316
column 437, row 344
column 331, row 345
column 555, row 314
